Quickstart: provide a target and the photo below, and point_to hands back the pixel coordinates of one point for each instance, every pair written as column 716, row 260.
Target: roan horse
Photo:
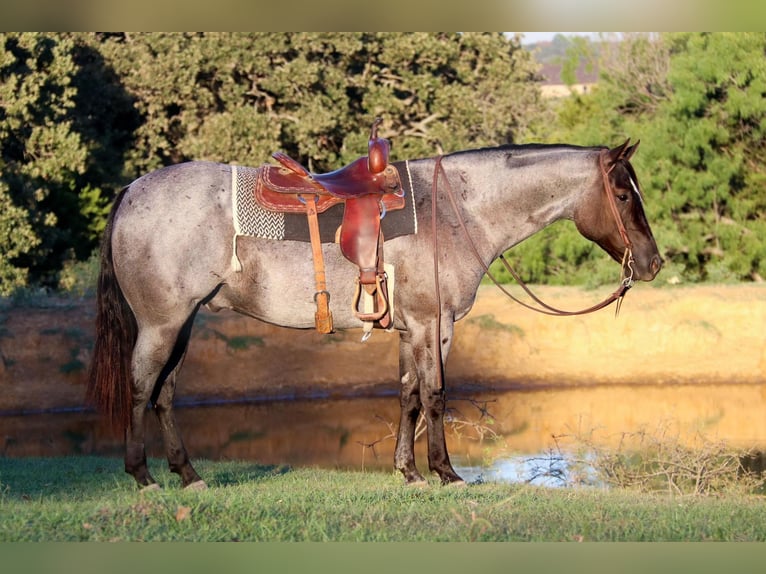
column 156, row 273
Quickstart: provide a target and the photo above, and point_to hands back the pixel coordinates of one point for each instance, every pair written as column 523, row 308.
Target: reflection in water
column 541, row 469
column 511, row 435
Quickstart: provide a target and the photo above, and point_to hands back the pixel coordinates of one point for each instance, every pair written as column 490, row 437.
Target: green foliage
column 238, row 97
column 709, row 159
column 16, row 237
column 579, row 50
column 80, row 278
column 41, row 155
column 698, row 103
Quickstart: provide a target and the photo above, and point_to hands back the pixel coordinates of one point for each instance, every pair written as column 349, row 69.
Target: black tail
column 110, row 377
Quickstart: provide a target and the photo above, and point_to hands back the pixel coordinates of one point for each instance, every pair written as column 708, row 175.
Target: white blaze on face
column 635, row 188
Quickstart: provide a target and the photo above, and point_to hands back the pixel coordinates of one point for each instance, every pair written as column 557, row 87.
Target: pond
column 523, row 434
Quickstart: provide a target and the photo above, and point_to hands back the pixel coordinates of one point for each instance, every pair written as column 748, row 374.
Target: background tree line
column 82, row 114
column 698, row 103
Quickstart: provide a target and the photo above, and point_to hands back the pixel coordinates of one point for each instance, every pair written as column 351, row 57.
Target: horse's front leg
column 409, row 402
column 434, row 400
column 423, row 387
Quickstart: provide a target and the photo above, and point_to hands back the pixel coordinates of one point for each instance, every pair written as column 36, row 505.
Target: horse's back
column 186, row 187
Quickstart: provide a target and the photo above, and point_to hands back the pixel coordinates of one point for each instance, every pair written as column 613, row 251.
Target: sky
column 532, row 37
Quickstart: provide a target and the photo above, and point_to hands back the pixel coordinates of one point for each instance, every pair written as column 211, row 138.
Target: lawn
column 92, row 499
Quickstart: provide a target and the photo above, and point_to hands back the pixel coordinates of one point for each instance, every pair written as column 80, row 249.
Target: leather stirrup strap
column 323, row 316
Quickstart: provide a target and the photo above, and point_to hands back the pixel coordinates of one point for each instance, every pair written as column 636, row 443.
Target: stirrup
column 381, row 299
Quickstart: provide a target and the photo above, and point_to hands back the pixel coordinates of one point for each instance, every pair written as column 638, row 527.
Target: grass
column 242, row 342
column 489, row 323
column 92, row 499
column 204, row 326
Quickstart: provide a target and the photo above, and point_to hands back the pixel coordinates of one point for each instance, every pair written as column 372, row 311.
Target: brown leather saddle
column 368, row 187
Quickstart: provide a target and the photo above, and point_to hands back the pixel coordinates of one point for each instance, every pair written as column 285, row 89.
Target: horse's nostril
column 656, row 264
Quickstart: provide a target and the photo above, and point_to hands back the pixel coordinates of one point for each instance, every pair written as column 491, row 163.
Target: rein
column 626, row 280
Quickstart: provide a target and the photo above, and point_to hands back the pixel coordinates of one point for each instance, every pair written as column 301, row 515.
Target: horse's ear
column 623, row 151
column 628, row 153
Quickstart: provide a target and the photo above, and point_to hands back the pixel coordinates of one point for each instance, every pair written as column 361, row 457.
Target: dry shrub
column 664, row 460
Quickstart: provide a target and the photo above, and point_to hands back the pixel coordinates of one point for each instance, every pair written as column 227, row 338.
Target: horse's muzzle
column 648, row 274
column 656, row 265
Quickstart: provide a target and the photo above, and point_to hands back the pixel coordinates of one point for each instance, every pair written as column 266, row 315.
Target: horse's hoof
column 151, row 487
column 196, row 485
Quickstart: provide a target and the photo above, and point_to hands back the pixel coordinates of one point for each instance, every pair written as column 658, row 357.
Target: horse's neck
column 505, row 201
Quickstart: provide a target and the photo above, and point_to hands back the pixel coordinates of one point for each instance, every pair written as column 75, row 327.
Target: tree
column 16, row 237
column 40, row 154
column 708, row 158
column 238, row 97
column 698, row 104
column 445, row 92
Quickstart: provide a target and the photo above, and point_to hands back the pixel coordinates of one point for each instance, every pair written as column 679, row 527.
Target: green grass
column 92, row 499
column 489, row 323
column 242, row 342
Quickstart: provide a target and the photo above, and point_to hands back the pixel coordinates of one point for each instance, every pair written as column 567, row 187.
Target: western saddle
column 368, row 187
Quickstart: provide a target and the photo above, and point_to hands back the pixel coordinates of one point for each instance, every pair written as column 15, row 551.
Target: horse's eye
column 623, row 197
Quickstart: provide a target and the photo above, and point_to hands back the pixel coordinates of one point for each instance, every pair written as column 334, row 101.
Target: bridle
column 626, row 276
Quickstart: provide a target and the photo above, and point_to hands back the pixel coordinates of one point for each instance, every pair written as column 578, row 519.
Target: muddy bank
column 710, row 334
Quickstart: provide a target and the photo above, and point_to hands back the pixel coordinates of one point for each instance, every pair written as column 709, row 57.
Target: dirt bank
column 663, row 335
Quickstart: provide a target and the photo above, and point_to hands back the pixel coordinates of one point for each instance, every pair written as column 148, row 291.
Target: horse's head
column 612, row 215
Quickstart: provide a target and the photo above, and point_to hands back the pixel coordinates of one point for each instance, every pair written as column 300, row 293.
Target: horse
column 167, row 250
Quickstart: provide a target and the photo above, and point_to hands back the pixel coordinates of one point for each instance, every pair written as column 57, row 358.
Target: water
column 520, row 435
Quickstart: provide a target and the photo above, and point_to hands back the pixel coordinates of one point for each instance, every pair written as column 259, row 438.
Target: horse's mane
column 520, row 155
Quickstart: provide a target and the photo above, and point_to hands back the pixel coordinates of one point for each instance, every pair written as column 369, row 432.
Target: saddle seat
column 283, row 188
column 368, row 187
column 354, row 180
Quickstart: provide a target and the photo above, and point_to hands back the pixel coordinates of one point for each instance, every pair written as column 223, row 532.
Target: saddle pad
column 252, row 220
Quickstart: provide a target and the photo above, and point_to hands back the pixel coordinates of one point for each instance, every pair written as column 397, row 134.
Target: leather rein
column 626, row 279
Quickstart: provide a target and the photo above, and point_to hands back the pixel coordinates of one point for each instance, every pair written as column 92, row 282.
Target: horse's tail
column 110, row 377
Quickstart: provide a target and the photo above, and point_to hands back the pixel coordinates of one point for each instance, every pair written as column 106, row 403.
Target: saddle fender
column 359, row 235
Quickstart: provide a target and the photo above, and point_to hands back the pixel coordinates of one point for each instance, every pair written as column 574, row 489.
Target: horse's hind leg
column 178, row 458
column 135, row 451
column 156, row 359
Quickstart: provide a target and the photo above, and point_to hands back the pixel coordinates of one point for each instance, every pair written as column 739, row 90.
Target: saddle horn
column 377, row 149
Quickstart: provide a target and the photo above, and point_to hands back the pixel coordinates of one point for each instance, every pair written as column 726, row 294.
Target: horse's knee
column 409, row 395
column 435, row 403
